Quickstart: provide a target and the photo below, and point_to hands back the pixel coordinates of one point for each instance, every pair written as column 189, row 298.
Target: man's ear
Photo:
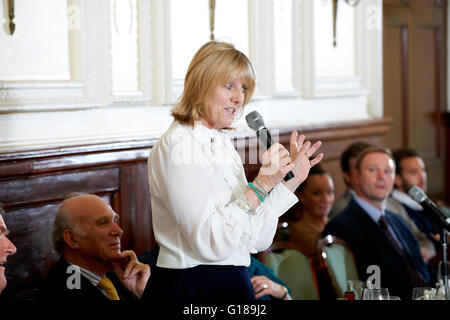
column 346, row 177
column 71, row 239
column 398, row 182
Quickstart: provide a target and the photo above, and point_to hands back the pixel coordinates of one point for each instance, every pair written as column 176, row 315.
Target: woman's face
column 318, row 195
column 224, row 104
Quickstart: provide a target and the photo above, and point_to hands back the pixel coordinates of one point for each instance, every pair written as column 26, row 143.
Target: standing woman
column 206, row 217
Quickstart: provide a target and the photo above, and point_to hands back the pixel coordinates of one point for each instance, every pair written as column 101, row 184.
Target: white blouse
column 199, row 212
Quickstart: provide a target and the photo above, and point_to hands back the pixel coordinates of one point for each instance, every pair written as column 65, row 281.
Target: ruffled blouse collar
column 206, row 134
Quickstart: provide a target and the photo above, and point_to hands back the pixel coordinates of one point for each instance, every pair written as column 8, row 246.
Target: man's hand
column 132, row 273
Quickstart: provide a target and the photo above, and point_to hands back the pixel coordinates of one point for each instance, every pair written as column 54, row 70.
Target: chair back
column 337, row 257
column 293, row 266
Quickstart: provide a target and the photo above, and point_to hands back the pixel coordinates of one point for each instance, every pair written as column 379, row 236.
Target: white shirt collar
column 205, row 134
column 406, row 200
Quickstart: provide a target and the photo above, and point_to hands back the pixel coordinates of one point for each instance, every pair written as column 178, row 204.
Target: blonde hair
column 215, row 63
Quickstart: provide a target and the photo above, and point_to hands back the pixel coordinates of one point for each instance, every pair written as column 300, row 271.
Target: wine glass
column 384, row 294
column 376, row 294
column 423, row 293
column 357, row 287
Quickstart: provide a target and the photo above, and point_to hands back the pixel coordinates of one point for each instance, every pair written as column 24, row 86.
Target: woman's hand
column 301, row 152
column 263, row 285
column 276, row 163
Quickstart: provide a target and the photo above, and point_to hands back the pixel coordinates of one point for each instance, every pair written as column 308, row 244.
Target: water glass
column 376, row 294
column 423, row 293
column 440, row 292
column 357, row 287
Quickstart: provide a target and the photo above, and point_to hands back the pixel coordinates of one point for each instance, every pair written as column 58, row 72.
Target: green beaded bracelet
column 259, row 184
column 257, row 191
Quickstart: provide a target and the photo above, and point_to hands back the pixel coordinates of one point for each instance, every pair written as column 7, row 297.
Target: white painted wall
column 112, row 77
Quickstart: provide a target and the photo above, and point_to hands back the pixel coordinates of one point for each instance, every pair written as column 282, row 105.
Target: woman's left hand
column 300, row 152
column 263, row 285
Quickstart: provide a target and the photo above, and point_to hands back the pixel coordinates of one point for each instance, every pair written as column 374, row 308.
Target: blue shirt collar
column 373, row 212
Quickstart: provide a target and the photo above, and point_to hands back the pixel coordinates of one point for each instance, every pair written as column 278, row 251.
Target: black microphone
column 419, row 196
column 256, row 122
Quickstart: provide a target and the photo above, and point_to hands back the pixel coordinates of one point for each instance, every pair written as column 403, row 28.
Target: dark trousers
column 203, row 283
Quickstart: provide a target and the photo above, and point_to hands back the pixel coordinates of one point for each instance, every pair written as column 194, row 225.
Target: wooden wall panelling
column 136, row 219
column 446, row 117
column 414, row 80
column 56, row 186
column 30, row 232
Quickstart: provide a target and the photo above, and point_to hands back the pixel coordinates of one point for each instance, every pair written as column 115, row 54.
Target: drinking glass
column 376, row 294
column 440, row 291
column 423, row 293
column 357, row 287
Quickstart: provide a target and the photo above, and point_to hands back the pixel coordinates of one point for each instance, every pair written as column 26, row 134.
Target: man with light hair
column 92, row 266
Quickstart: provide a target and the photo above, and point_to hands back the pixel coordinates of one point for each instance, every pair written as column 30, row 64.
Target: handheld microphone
column 256, row 122
column 419, row 196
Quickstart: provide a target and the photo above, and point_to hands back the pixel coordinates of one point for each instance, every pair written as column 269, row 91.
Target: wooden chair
column 336, row 256
column 295, row 267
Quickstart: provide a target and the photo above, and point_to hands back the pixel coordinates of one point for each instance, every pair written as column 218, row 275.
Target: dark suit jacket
column 425, row 224
column 55, row 287
column 371, row 246
column 340, row 204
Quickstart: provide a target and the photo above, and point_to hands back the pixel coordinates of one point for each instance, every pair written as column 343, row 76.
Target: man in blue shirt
column 376, row 236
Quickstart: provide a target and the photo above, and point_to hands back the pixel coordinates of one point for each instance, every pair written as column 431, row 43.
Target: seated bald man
column 92, row 265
